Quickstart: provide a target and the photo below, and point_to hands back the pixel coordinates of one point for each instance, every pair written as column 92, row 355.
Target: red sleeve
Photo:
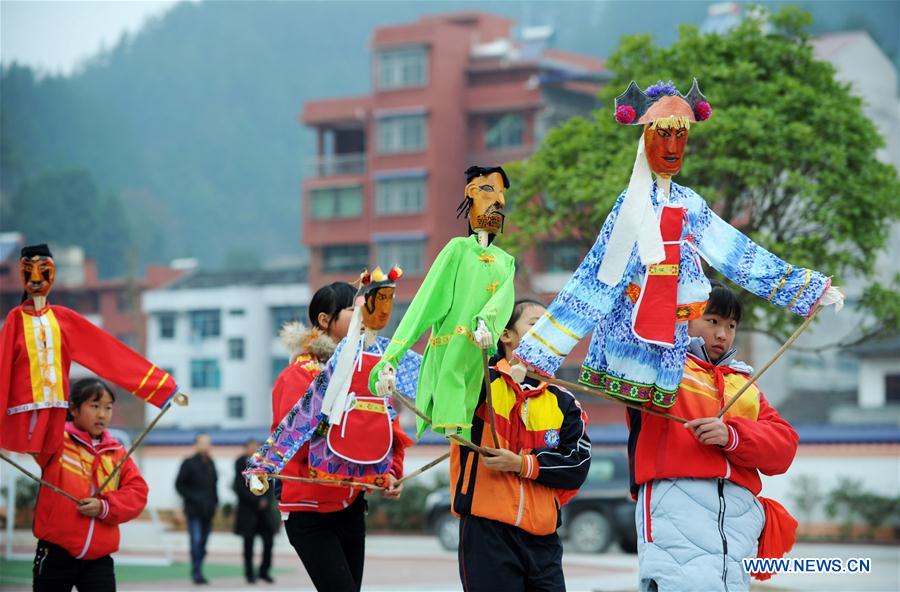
column 289, row 387
column 7, row 359
column 129, row 500
column 106, row 356
column 768, row 444
column 401, row 442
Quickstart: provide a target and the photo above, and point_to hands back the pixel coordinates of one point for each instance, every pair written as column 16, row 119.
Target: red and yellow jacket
column 79, row 467
column 36, row 350
column 303, row 497
column 760, row 440
column 547, row 426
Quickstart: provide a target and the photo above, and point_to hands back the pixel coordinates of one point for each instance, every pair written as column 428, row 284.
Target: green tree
column 67, row 208
column 788, row 156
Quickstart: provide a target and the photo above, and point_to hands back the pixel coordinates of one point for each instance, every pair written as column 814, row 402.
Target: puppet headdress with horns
column 335, row 400
column 660, row 105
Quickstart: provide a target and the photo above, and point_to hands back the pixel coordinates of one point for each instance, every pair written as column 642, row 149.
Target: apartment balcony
column 337, row 165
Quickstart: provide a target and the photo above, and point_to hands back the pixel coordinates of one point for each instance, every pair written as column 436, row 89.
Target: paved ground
column 405, row 563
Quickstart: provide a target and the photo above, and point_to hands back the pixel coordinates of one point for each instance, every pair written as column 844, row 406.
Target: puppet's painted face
column 376, row 311
column 488, row 201
column 665, row 148
column 37, row 275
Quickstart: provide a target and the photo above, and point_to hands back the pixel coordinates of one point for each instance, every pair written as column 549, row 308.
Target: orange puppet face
column 37, row 275
column 376, row 311
column 665, row 148
column 488, row 201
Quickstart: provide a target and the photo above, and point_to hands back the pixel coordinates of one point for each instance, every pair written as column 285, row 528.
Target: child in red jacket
column 697, row 485
column 75, row 542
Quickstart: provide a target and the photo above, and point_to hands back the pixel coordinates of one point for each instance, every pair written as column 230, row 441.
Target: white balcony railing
column 338, row 164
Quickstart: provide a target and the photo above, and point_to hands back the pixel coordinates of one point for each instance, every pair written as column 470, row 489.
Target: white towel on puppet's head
column 636, row 223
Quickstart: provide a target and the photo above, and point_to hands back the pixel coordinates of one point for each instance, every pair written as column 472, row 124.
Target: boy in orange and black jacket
column 509, row 503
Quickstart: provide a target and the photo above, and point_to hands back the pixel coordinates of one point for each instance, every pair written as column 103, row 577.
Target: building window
column 892, row 389
column 400, row 196
column 504, row 132
column 128, row 339
column 336, row 202
column 404, row 133
column 205, row 323
column 562, row 256
column 279, row 364
column 236, row 348
column 205, row 374
column 402, row 68
column 235, row 407
column 345, row 258
column 166, row 325
column 286, row 314
column 408, row 254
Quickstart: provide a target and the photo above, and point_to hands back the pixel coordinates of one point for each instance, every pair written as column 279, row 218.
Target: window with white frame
column 336, row 202
column 401, row 133
column 402, row 67
column 235, row 407
column 400, row 196
column 205, row 374
column 505, row 132
column 236, row 348
column 166, row 325
column 205, row 323
column 408, row 254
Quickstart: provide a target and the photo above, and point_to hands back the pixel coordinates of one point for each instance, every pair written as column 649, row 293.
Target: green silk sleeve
column 431, row 304
column 497, row 311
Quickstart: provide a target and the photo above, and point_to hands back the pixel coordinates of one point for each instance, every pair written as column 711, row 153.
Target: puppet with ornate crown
column 642, row 280
column 352, row 435
column 466, row 299
column 39, row 342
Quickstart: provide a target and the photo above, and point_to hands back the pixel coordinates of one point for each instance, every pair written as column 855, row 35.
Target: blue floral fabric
column 618, row 362
column 305, row 422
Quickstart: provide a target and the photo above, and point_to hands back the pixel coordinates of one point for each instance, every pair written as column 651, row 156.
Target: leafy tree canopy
column 788, row 157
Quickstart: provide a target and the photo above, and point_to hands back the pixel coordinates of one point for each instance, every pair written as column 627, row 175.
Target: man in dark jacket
column 255, row 515
column 196, row 483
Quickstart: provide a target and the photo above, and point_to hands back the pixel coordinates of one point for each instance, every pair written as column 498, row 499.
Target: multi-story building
column 217, row 334
column 449, row 91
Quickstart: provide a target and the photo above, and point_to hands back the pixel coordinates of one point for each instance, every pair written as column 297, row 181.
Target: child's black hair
column 518, row 308
column 87, row 389
column 331, row 300
column 723, row 302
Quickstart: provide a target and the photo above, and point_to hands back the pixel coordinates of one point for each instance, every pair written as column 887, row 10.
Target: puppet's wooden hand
column 256, row 485
column 387, row 381
column 483, row 336
column 517, row 372
column 833, row 295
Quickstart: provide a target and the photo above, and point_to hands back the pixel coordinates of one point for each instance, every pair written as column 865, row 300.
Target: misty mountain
column 191, row 123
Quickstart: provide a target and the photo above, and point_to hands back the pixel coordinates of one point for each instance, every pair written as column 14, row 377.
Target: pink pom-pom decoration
column 702, row 111
column 625, row 114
